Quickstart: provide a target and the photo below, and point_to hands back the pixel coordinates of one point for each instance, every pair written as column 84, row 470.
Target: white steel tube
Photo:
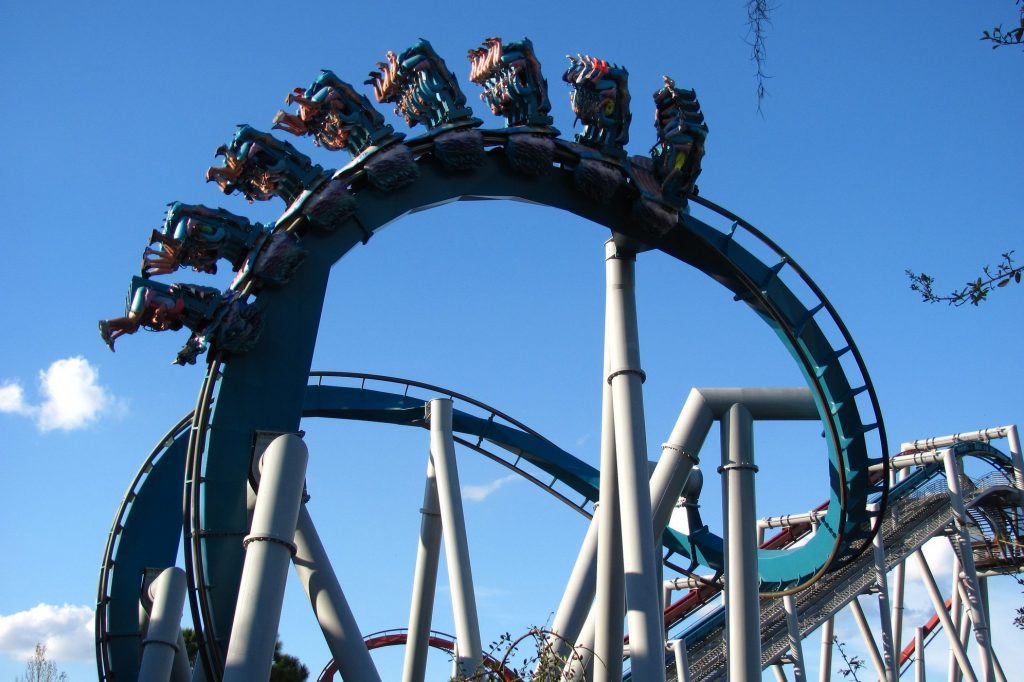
column 939, row 605
column 1013, row 439
column 470, row 653
column 919, row 665
column 743, row 613
column 869, row 639
column 795, row 647
column 160, row 646
column 983, row 584
column 970, row 574
column 610, row 602
column 682, row 661
column 638, row 550
column 825, row 664
column 182, row 670
column 678, row 460
column 985, row 435
column 956, row 614
column 899, row 583
column 884, row 612
column 341, row 632
column 424, row 584
column 579, row 592
column 268, row 551
column 779, row 672
column 787, row 520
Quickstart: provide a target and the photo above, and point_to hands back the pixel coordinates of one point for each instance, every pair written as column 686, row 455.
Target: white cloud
column 67, row 632
column 12, row 399
column 479, row 493
column 72, row 397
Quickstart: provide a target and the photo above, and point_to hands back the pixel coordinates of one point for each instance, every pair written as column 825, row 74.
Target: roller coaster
column 225, row 485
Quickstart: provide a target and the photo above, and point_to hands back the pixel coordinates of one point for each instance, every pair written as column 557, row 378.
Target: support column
column 671, row 478
column 638, row 551
column 1013, row 440
column 610, row 603
column 939, row 605
column 160, row 646
column 825, row 664
column 341, row 632
column 956, row 614
column 795, row 646
column 970, row 574
column 743, row 613
column 885, row 614
column 268, row 551
column 919, row 666
column 469, row 655
column 869, row 639
column 682, row 661
column 424, row 585
column 899, row 581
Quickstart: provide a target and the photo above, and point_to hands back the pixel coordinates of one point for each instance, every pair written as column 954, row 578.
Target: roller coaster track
column 265, row 389
column 805, row 322
column 918, row 510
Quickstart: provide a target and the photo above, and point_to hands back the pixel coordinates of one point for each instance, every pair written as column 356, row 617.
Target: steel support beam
column 869, row 639
column 742, row 608
column 647, row 641
column 341, row 632
column 795, row 647
column 969, row 574
column 827, row 641
column 469, row 653
column 268, row 551
column 939, row 604
column 160, row 647
column 424, row 584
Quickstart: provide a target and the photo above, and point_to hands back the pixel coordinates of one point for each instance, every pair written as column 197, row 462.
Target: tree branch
column 972, row 292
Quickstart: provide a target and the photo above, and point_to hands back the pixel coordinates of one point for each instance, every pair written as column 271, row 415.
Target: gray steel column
column 160, row 646
column 795, row 646
column 182, row 669
column 424, row 584
column 899, row 580
column 268, row 551
column 1013, row 440
column 869, row 639
column 341, row 632
column 919, row 669
column 983, row 584
column 469, row 653
column 743, row 613
column 779, row 672
column 939, row 605
column 682, row 661
column 970, row 574
column 956, row 614
column 646, row 638
column 610, row 602
column 678, row 460
column 884, row 611
column 825, row 664
column 579, row 593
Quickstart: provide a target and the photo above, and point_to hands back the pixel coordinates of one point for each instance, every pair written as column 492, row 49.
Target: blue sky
column 890, row 138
